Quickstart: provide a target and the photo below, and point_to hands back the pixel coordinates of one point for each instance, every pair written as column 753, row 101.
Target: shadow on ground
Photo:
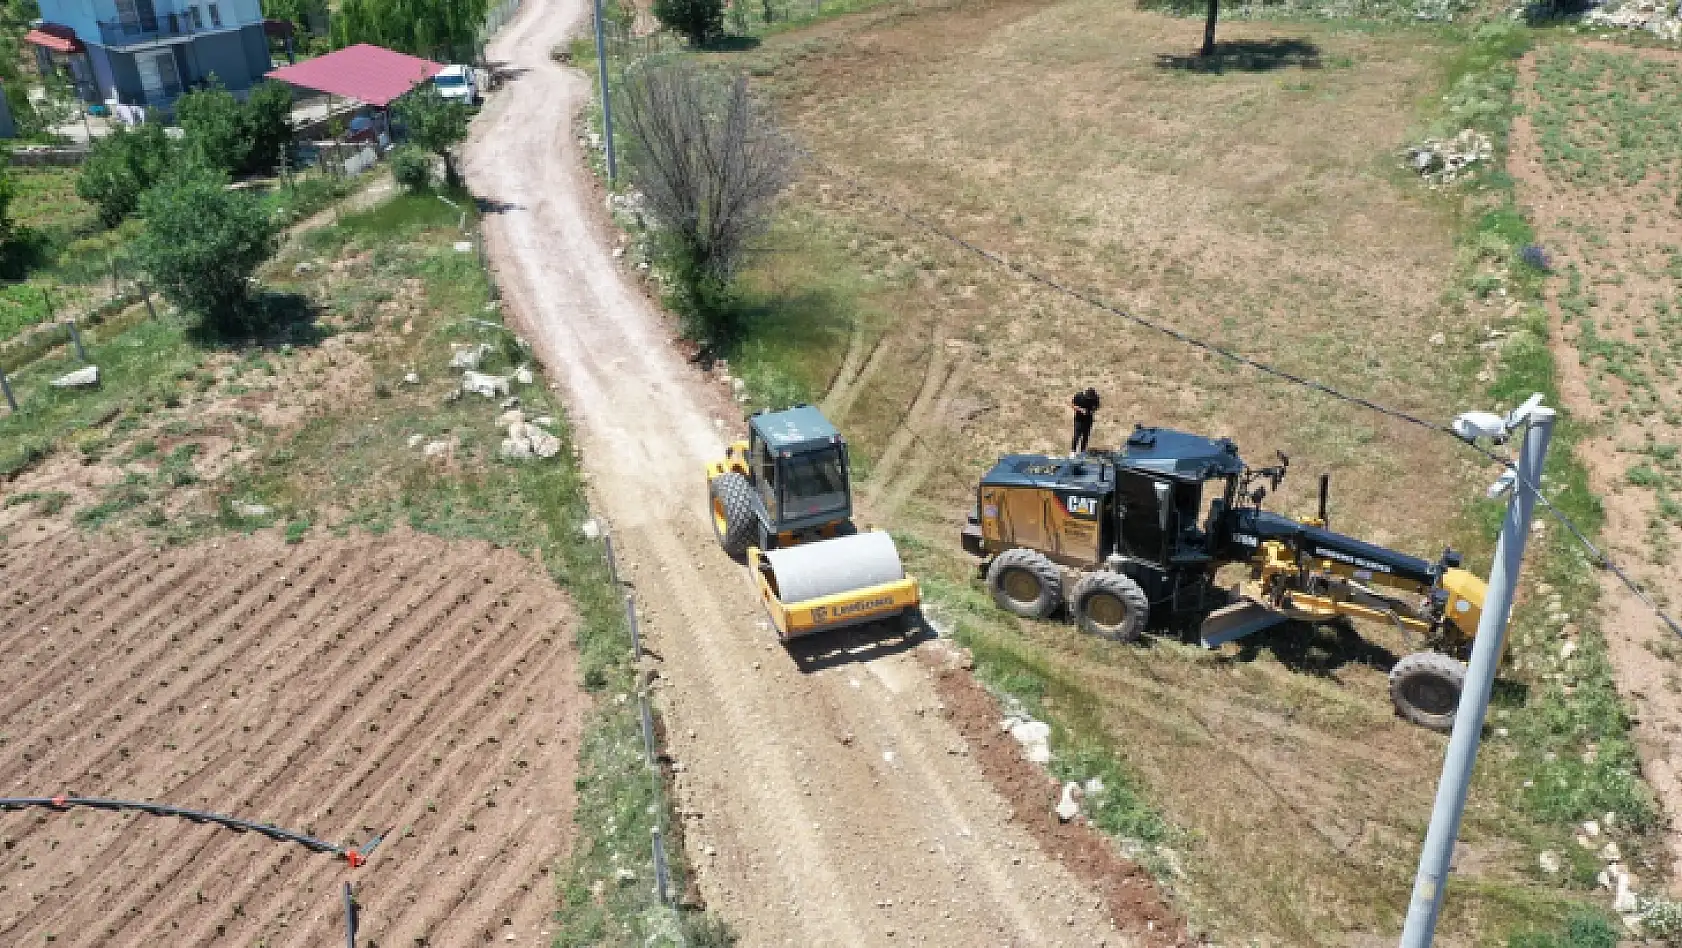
column 1248, row 56
column 1315, row 650
column 857, row 644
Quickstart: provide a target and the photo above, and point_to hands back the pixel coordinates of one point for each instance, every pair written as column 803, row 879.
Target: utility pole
column 1462, row 754
column 607, row 107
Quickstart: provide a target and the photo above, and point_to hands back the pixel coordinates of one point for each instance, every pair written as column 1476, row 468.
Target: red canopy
column 370, row 74
column 59, row 39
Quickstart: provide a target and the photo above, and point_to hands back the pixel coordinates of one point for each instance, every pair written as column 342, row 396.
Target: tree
column 267, row 120
column 120, row 167
column 435, row 124
column 699, row 20
column 711, row 163
column 202, row 243
column 433, row 28
column 214, row 127
column 239, row 138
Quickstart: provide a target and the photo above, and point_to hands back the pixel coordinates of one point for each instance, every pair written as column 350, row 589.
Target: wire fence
column 650, row 742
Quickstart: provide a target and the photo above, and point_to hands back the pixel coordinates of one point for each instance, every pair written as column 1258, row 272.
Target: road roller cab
column 782, row 500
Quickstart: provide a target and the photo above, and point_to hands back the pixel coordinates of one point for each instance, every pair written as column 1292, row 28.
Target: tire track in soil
column 856, row 369
column 471, row 668
column 800, row 835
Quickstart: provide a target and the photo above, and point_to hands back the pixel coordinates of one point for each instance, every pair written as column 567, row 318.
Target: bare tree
column 710, row 161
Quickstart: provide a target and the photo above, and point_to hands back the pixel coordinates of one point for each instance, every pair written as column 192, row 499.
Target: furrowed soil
column 1596, row 160
column 344, row 687
column 825, row 799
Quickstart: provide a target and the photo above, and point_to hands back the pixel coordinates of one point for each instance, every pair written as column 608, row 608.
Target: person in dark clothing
column 1085, row 405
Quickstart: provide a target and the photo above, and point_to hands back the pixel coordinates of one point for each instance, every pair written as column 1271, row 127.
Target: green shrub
column 120, row 167
column 412, row 168
column 699, row 20
column 202, row 243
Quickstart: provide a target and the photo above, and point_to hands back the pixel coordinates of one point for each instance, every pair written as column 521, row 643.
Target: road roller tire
column 1425, row 688
column 1025, row 583
column 1111, row 606
column 732, row 513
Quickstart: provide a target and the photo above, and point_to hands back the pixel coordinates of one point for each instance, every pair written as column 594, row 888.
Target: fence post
column 47, row 298
column 76, row 338
column 6, row 387
column 146, row 294
column 111, row 264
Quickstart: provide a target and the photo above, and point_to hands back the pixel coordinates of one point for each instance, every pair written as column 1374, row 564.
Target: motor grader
column 782, row 501
column 1115, row 538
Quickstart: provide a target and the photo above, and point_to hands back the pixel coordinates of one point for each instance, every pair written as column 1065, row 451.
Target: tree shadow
column 1319, row 650
column 272, row 320
column 26, row 251
column 1248, row 56
column 858, row 644
column 731, row 44
column 488, row 206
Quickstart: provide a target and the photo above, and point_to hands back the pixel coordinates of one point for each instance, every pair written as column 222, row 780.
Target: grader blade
column 1232, row 622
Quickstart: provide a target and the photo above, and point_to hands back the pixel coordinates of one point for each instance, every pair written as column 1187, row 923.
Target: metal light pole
column 1462, row 754
column 607, row 107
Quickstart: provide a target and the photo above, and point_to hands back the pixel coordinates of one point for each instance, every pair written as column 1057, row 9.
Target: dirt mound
column 345, row 688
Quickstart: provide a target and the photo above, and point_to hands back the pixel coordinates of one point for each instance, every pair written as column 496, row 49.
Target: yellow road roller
column 782, row 502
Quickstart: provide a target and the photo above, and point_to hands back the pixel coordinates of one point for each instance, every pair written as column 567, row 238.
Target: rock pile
column 1662, row 19
column 1441, row 161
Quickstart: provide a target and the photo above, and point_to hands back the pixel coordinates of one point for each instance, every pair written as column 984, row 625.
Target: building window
column 198, row 20
column 215, row 14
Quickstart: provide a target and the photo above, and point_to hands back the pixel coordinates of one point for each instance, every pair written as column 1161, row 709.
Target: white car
column 458, row 82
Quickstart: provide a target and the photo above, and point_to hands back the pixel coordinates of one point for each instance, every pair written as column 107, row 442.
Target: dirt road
column 826, row 801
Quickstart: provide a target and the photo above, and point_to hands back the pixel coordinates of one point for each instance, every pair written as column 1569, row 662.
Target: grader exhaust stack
column 782, row 501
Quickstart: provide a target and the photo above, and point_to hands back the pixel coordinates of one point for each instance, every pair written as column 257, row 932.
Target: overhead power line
column 1600, row 558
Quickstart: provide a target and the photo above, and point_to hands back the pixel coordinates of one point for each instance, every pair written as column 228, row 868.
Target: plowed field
column 343, row 688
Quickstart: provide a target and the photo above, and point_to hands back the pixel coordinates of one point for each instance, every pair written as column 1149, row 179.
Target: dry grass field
column 1261, row 206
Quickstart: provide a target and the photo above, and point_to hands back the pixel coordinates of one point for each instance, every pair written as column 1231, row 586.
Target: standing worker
column 1085, row 405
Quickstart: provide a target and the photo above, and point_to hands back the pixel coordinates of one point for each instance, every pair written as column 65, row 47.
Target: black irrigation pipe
column 355, row 855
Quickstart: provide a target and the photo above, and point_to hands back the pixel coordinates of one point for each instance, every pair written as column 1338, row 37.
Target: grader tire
column 1025, row 583
column 1111, row 606
column 732, row 513
column 1425, row 688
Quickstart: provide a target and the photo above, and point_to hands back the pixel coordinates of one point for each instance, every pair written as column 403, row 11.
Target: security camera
column 1521, row 414
column 1472, row 425
column 1503, row 484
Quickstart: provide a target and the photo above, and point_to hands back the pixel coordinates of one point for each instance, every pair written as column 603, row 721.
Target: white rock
column 591, row 530
column 512, row 416
column 1093, row 786
column 544, row 420
column 1625, row 901
column 489, row 386
column 85, row 377
column 1034, row 736
column 415, row 440
column 515, row 449
column 1069, row 807
column 468, row 357
column 1611, row 853
column 1437, row 339
column 243, row 509
column 464, row 246
column 625, row 875
column 512, row 401
column 1549, row 861
column 1567, row 650
column 1591, row 829
column 543, row 444
column 435, row 449
column 1609, row 820
column 411, row 378
column 738, row 386
column 523, row 375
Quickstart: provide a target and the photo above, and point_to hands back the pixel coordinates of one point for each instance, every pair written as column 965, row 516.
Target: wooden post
column 76, row 338
column 6, row 387
column 146, row 294
column 47, row 298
